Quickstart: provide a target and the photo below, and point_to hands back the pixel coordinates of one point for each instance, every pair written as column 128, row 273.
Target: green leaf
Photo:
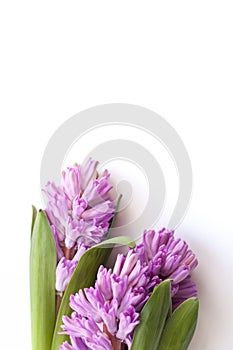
column 42, row 283
column 180, row 328
column 83, row 277
column 34, row 213
column 152, row 318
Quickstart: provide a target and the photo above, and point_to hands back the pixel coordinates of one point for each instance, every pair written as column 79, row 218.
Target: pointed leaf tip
column 34, row 214
column 180, row 328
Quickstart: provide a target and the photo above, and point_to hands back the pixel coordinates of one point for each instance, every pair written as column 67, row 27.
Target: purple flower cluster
column 79, row 212
column 106, row 315
column 103, row 316
column 173, row 259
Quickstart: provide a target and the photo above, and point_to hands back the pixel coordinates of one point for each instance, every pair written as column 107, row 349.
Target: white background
column 174, row 57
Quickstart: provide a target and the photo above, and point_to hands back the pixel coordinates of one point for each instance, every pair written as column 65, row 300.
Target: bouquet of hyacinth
column 145, row 301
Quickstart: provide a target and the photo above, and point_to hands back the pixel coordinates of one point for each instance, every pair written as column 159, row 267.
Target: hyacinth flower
column 172, row 259
column 79, row 212
column 147, row 301
column 106, row 315
column 102, row 318
column 71, row 232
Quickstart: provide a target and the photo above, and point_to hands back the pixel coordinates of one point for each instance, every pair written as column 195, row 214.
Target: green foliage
column 42, row 282
column 180, row 328
column 152, row 318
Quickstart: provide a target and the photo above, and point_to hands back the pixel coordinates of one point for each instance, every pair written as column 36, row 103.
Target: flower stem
column 68, row 253
column 116, row 343
column 58, row 301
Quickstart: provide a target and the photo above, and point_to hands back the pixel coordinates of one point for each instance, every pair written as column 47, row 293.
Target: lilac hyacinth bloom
column 81, row 209
column 174, row 260
column 103, row 316
column 111, row 308
column 79, row 212
column 112, row 304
